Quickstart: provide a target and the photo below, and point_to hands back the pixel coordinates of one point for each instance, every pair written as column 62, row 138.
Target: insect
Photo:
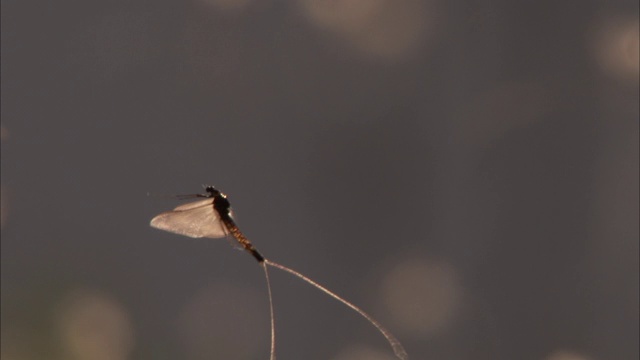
column 212, row 218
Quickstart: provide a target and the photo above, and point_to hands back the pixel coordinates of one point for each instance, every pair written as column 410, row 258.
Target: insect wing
column 195, row 204
column 197, row 219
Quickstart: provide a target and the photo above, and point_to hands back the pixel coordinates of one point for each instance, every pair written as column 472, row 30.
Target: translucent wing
column 194, row 204
column 197, row 219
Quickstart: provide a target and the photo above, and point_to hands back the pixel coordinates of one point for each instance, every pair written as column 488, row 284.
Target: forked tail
column 395, row 344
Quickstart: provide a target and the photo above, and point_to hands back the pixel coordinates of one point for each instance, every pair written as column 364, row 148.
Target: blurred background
column 466, row 172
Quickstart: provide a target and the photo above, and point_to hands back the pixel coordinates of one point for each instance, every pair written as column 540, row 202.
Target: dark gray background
column 471, row 165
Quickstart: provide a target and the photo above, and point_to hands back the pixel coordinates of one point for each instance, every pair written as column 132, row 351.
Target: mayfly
column 212, row 218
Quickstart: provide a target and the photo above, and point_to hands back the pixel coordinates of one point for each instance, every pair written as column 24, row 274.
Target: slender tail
column 248, row 246
column 398, row 349
column 273, row 324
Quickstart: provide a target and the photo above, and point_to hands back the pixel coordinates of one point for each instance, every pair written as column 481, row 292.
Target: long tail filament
column 273, row 324
column 398, row 349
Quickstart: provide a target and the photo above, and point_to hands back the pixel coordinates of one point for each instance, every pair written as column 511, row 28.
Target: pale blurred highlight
column 617, row 45
column 359, row 352
column 566, row 355
column 383, row 28
column 422, row 295
column 225, row 321
column 94, row 326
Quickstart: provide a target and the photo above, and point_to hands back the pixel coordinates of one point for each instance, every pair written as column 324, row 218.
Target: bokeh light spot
column 94, row 326
column 422, row 295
